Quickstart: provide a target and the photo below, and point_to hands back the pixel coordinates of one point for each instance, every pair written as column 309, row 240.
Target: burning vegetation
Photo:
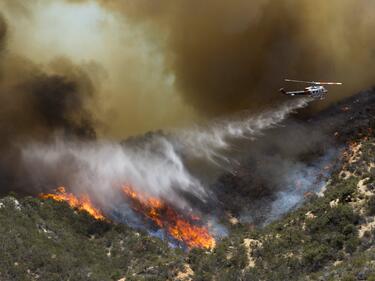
column 82, row 203
column 180, row 227
column 186, row 229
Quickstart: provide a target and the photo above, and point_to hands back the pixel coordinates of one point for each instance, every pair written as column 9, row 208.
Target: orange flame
column 166, row 217
column 178, row 226
column 82, row 203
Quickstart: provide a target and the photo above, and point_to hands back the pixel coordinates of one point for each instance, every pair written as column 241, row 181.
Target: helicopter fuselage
column 316, row 92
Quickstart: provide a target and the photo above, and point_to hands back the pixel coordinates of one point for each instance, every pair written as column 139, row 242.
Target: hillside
column 331, row 236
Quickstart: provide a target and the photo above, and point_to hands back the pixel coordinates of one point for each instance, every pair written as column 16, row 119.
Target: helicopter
column 316, row 91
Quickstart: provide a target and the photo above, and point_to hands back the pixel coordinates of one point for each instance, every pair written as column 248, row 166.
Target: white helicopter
column 316, row 91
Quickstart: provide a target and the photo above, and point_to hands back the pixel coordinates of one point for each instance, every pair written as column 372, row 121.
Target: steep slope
column 331, row 236
column 45, row 240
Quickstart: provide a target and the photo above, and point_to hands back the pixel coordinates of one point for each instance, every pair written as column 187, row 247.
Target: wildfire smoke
column 162, row 186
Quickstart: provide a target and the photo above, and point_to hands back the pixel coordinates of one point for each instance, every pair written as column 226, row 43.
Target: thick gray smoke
column 277, row 170
column 172, row 62
column 156, row 165
column 210, row 141
column 232, row 55
column 38, row 102
column 293, row 180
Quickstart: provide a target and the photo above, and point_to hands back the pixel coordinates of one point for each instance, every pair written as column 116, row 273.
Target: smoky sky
column 233, row 55
column 176, row 62
column 38, row 103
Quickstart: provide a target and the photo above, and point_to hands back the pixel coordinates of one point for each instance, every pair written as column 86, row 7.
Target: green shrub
column 371, row 277
column 349, row 277
column 314, row 255
column 371, row 206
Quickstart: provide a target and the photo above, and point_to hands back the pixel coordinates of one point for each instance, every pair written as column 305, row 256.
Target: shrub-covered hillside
column 331, row 236
column 45, row 240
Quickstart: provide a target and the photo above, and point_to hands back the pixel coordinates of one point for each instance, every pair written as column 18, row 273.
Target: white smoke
column 209, row 141
column 299, row 179
column 154, row 166
column 102, row 168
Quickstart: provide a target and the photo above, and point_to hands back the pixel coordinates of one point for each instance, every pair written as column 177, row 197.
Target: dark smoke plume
column 37, row 104
column 232, row 55
column 3, row 30
column 174, row 62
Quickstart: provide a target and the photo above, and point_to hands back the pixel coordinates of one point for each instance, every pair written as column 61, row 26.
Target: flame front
column 164, row 216
column 82, row 203
column 178, row 226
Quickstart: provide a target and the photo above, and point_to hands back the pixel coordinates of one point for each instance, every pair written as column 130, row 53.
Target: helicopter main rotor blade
column 328, row 83
column 298, row 81
column 313, row 82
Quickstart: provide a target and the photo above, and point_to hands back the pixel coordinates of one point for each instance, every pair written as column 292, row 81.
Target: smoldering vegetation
column 277, row 172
